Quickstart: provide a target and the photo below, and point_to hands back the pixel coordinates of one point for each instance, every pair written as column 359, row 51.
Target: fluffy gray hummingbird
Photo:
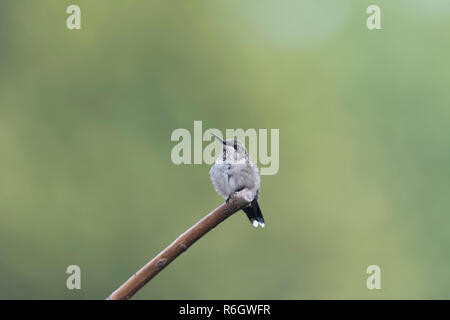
column 234, row 171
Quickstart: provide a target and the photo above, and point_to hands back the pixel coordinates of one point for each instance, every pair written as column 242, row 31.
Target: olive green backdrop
column 86, row 117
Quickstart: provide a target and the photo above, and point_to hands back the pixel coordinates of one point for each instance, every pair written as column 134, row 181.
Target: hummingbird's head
column 233, row 151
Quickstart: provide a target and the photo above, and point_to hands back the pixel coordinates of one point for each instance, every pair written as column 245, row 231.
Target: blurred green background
column 86, row 117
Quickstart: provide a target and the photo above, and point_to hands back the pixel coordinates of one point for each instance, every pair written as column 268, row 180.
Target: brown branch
column 238, row 201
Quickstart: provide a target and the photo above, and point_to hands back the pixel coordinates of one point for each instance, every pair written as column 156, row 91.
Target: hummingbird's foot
column 229, row 197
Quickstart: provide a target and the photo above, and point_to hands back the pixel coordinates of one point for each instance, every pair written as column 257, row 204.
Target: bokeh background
column 86, row 117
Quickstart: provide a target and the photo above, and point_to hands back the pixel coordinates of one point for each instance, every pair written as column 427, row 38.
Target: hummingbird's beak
column 218, row 138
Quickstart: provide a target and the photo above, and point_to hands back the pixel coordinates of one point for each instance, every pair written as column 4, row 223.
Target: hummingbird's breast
column 228, row 178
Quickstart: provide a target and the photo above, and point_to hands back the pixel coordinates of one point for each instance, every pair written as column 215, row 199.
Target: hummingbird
column 234, row 171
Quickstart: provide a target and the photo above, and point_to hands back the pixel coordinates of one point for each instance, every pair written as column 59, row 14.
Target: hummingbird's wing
column 254, row 214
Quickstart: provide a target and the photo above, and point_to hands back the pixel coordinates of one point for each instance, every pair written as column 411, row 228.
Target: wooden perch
column 237, row 201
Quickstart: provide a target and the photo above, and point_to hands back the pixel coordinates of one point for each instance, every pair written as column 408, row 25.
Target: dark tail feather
column 254, row 213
